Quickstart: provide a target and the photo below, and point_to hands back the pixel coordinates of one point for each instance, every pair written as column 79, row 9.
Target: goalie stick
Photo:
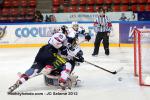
column 112, row 72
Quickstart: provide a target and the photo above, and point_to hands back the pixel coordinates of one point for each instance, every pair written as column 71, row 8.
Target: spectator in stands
column 47, row 19
column 51, row 18
column 133, row 17
column 61, row 9
column 102, row 27
column 38, row 16
column 123, row 17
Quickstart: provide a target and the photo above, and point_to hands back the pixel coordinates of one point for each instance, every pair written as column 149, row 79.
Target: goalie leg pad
column 50, row 81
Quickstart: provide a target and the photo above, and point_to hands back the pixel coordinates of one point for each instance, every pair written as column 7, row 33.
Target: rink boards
column 37, row 34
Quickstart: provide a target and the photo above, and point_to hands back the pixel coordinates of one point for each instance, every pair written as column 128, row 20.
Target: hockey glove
column 88, row 37
column 82, row 32
column 64, row 51
column 80, row 59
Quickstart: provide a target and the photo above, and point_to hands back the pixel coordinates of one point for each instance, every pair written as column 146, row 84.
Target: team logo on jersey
column 61, row 36
column 2, row 32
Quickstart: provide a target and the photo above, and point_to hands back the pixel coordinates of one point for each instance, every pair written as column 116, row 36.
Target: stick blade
column 119, row 70
column 114, row 72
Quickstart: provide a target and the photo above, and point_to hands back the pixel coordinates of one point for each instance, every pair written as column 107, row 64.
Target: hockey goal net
column 142, row 56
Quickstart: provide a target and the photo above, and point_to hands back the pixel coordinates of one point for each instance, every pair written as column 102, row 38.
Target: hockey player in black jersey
column 44, row 58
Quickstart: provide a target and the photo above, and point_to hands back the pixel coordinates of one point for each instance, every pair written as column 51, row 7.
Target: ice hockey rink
column 96, row 84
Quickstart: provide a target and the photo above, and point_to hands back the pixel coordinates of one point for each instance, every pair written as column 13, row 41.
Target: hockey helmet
column 75, row 25
column 64, row 29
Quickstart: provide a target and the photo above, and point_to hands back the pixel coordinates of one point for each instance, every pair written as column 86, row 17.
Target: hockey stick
column 112, row 72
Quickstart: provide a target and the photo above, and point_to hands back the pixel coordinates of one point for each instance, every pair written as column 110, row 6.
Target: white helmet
column 75, row 25
column 55, row 43
column 57, row 29
column 57, row 40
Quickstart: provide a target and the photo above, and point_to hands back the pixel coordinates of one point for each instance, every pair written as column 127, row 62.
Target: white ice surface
column 96, row 84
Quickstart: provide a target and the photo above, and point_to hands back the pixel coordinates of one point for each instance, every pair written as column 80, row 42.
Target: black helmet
column 64, row 29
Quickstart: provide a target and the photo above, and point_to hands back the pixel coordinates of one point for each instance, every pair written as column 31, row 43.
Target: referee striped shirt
column 105, row 27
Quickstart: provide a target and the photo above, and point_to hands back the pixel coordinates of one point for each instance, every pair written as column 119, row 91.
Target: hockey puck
column 120, row 79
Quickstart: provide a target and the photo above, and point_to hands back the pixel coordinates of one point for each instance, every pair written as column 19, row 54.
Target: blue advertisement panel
column 126, row 30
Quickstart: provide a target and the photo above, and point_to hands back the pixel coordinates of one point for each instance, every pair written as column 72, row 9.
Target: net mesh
column 142, row 56
column 145, row 57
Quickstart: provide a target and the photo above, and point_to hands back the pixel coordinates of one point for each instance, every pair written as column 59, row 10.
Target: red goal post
column 142, row 56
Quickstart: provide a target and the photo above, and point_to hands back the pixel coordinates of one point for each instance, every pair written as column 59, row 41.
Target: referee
column 102, row 28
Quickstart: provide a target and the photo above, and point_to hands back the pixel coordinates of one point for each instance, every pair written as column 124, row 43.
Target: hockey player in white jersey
column 74, row 54
column 76, row 30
